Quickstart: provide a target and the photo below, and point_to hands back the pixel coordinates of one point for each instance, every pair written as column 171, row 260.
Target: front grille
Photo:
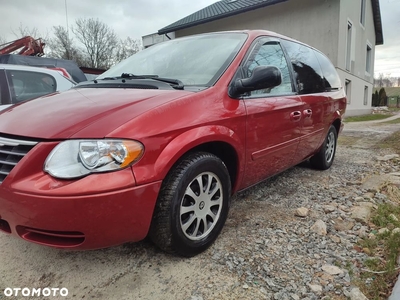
column 11, row 152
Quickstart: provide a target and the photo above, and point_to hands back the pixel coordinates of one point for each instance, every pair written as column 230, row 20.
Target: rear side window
column 331, row 78
column 26, row 85
column 308, row 73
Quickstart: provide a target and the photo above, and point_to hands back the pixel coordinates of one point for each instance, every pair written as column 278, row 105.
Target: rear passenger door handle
column 307, row 113
column 295, row 116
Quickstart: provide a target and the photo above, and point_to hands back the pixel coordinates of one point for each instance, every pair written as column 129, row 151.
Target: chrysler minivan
column 157, row 145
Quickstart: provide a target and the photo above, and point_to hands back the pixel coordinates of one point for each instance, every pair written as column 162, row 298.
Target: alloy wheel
column 201, row 206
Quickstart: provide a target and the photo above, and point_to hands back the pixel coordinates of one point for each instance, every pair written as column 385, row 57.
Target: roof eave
column 170, row 28
column 377, row 22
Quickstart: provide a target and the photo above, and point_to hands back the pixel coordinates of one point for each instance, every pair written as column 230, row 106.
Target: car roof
column 70, row 66
column 28, row 68
column 34, row 69
column 253, row 33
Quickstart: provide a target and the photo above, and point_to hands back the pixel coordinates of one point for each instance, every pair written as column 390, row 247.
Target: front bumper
column 97, row 211
column 81, row 221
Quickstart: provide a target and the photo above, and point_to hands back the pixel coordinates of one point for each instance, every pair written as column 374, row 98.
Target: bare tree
column 90, row 43
column 2, row 40
column 99, row 40
column 380, row 80
column 126, row 48
column 24, row 30
column 63, row 46
column 386, row 81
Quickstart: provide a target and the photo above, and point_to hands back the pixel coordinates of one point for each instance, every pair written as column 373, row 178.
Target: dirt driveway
column 264, row 251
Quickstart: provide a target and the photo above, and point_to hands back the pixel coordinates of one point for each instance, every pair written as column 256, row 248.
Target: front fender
column 183, row 143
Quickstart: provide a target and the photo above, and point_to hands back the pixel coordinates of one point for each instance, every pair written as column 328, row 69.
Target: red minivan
column 158, row 144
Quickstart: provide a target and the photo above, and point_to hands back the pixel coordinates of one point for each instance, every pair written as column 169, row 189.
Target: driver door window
column 270, row 54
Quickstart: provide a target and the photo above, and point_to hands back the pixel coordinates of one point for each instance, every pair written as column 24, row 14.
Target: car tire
column 192, row 205
column 324, row 158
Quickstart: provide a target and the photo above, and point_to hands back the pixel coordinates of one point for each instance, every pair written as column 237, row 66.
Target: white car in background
column 20, row 83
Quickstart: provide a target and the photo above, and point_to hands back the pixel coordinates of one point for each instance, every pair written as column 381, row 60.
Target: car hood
column 81, row 113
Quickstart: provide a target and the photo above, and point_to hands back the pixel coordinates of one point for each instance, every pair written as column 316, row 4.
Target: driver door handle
column 295, row 116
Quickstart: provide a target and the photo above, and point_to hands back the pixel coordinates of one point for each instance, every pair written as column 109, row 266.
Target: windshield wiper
column 133, row 76
column 175, row 83
column 130, row 76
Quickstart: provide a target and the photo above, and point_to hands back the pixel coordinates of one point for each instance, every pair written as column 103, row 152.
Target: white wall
column 351, row 11
column 355, row 103
column 314, row 22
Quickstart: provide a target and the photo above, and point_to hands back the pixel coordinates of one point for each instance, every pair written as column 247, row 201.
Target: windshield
column 198, row 60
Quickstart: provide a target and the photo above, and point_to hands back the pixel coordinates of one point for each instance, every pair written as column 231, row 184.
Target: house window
column 362, row 15
column 348, row 90
column 348, row 45
column 365, row 95
column 368, row 59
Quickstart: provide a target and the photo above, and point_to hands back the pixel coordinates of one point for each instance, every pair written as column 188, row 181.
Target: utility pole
column 66, row 18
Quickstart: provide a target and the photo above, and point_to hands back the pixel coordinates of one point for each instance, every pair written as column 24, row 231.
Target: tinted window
column 307, row 70
column 270, row 54
column 26, row 85
column 331, row 78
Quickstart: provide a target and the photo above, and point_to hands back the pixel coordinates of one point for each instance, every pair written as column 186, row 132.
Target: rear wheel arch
column 323, row 159
column 337, row 124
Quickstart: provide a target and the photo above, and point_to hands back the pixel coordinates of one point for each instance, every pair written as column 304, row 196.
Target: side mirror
column 263, row 77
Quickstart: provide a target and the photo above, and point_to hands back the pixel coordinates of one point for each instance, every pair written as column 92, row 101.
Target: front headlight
column 77, row 158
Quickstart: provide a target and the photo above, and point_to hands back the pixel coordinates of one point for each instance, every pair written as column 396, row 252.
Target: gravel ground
column 264, row 252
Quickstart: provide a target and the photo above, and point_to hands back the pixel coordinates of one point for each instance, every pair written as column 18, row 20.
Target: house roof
column 376, row 10
column 227, row 8
column 216, row 11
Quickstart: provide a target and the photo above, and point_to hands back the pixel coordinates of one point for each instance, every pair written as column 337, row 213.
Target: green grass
column 395, row 121
column 345, row 140
column 370, row 117
column 384, row 250
column 391, row 142
column 381, row 217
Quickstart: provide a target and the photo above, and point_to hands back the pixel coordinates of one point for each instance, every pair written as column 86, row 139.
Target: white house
column 347, row 31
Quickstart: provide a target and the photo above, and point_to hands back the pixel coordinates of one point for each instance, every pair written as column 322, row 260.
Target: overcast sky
column 136, row 18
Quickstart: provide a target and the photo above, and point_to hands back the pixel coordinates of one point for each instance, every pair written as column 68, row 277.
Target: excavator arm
column 28, row 46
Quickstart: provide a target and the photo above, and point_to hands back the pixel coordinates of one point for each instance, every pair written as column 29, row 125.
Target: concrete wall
column 355, row 97
column 313, row 22
column 350, row 11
